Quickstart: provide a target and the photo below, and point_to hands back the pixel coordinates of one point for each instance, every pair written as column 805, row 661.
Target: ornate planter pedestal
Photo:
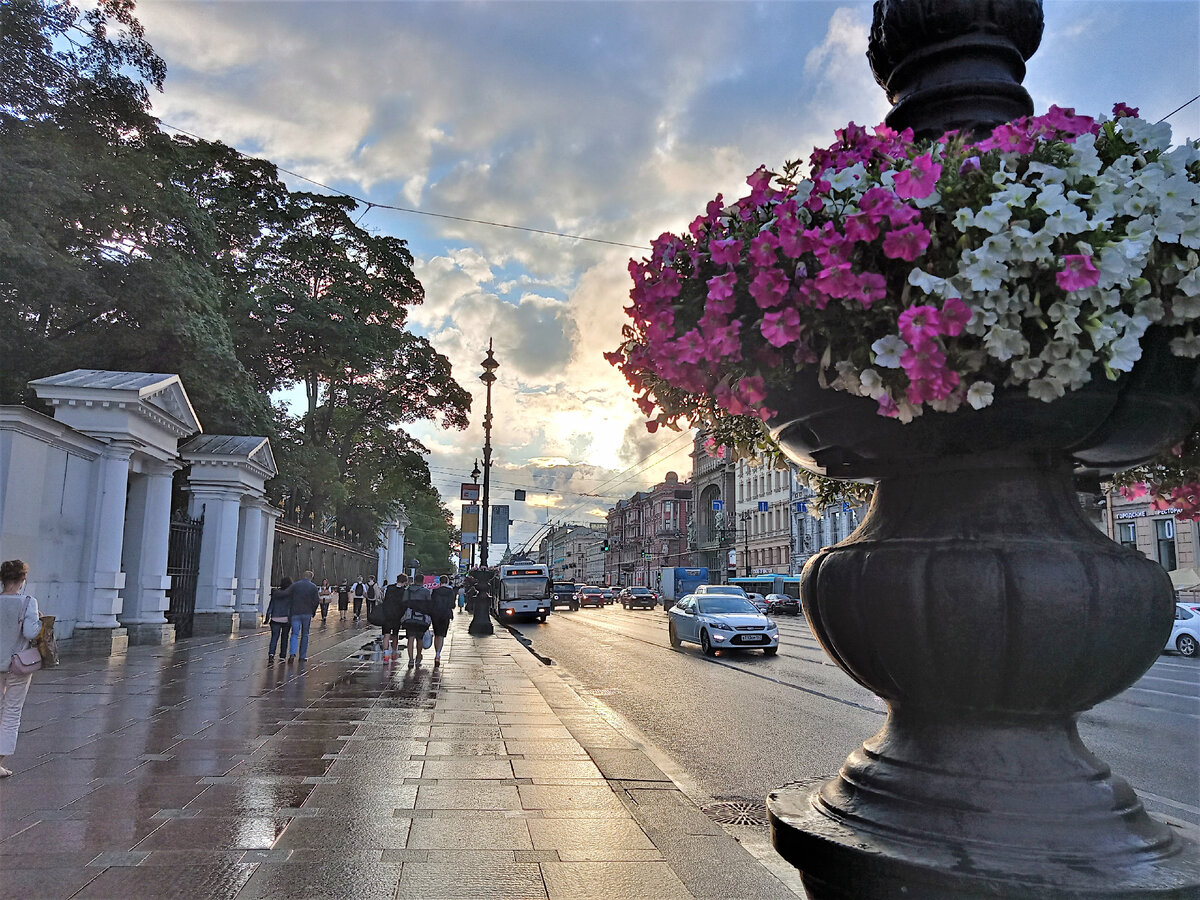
column 977, row 600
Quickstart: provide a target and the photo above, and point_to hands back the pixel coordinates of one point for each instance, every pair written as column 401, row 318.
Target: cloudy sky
column 611, row 120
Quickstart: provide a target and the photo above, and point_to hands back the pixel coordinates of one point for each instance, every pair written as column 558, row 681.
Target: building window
column 1127, row 534
column 1164, row 532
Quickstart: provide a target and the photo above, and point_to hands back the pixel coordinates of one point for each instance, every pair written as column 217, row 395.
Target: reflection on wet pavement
column 198, row 771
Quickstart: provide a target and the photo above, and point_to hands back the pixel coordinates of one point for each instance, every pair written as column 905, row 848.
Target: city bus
column 525, row 592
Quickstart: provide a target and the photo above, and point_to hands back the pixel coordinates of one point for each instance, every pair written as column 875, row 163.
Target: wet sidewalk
column 197, row 771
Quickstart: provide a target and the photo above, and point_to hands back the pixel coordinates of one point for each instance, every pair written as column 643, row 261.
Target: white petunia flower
column 1005, row 343
column 1188, row 345
column 888, row 351
column 1046, row 390
column 1026, row 368
column 980, row 394
column 1124, row 352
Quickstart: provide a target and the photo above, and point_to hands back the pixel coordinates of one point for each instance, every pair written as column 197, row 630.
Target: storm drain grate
column 737, row 812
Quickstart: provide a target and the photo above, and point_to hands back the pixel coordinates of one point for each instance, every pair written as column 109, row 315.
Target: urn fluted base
column 979, row 602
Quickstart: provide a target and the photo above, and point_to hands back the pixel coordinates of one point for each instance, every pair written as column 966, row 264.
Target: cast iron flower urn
column 975, row 598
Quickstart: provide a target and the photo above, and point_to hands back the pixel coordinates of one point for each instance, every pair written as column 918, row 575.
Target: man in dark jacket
column 442, row 598
column 305, row 597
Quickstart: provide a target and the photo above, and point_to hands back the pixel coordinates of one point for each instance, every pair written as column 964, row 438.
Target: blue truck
column 679, row 581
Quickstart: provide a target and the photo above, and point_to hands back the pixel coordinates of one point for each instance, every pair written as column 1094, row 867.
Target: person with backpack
column 391, row 607
column 442, row 612
column 359, row 590
column 372, row 594
column 415, row 617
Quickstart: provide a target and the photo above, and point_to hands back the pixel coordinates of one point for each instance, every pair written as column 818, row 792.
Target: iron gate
column 183, row 565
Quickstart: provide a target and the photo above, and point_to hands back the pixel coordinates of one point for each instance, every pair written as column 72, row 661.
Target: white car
column 1186, row 635
column 720, row 589
column 719, row 620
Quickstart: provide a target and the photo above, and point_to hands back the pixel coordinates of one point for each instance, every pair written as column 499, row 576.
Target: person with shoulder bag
column 20, row 623
column 442, row 597
column 391, row 607
column 279, row 617
column 415, row 618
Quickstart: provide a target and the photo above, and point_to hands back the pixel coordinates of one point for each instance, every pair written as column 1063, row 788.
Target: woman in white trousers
column 20, row 622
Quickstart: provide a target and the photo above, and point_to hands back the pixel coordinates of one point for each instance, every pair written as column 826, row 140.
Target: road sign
column 718, row 505
column 801, row 506
column 763, row 506
column 469, row 492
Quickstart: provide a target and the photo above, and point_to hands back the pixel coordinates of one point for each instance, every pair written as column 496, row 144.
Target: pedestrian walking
column 392, row 609
column 304, row 595
column 343, row 593
column 325, row 596
column 20, row 622
column 442, row 599
column 359, row 591
column 279, row 617
column 415, row 617
column 372, row 595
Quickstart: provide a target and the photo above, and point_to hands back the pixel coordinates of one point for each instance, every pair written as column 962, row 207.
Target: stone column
column 99, row 631
column 395, row 550
column 382, row 573
column 249, row 563
column 267, row 557
column 216, row 584
column 147, row 533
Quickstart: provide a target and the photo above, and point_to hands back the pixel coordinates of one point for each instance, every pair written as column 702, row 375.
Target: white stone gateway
column 85, row 499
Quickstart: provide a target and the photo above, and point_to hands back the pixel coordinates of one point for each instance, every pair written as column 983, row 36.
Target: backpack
column 443, row 600
column 370, row 592
column 358, row 588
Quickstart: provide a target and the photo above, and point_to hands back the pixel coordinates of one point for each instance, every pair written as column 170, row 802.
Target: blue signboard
column 763, row 506
column 845, row 506
column 801, row 506
column 718, row 505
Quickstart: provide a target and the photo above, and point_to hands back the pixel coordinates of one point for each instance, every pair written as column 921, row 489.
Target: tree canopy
column 122, row 247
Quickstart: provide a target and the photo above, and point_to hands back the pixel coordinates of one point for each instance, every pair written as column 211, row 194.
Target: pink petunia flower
column 906, row 243
column 769, row 287
column 918, row 182
column 726, row 253
column 1078, row 272
column 782, row 327
column 955, row 316
column 762, row 249
column 861, row 227
column 920, row 323
column 1124, row 110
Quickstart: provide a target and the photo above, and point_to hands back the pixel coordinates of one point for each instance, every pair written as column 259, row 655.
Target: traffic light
column 605, row 547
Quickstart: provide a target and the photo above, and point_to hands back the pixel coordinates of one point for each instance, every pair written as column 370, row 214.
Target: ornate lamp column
column 975, row 598
column 488, row 378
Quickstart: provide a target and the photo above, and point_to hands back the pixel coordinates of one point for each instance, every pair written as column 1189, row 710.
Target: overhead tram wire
column 420, row 212
column 1177, row 109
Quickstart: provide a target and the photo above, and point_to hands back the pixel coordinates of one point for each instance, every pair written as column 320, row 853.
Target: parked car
column 717, row 620
column 779, row 604
column 638, row 596
column 590, row 596
column 720, row 589
column 564, row 595
column 759, row 601
column 1185, row 636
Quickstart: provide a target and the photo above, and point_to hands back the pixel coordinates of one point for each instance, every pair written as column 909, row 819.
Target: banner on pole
column 470, row 524
column 498, row 532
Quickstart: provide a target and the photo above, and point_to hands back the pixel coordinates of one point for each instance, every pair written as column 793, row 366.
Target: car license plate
column 754, row 638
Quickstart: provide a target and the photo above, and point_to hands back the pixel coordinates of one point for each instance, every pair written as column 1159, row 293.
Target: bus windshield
column 523, row 587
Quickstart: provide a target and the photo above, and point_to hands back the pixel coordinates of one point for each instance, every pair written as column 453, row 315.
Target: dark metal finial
column 954, row 64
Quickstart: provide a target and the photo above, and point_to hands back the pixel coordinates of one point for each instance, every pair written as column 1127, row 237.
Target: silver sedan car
column 717, row 621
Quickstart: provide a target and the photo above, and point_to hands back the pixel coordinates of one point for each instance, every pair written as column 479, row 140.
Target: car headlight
column 721, row 626
column 771, row 624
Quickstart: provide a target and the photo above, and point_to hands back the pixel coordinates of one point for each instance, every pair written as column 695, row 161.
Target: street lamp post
column 488, row 378
column 475, row 473
column 746, row 516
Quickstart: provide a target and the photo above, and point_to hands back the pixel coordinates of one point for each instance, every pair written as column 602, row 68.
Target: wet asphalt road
column 742, row 724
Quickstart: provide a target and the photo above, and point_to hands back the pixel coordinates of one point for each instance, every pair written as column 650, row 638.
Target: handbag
column 28, row 660
column 427, row 639
column 412, row 617
column 47, row 646
column 375, row 614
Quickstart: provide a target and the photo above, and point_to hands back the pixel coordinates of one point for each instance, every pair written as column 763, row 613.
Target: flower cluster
column 1171, row 482
column 924, row 274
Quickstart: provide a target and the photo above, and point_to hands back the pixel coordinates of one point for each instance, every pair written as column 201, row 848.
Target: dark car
column 779, row 604
column 638, row 596
column 564, row 595
column 590, row 596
